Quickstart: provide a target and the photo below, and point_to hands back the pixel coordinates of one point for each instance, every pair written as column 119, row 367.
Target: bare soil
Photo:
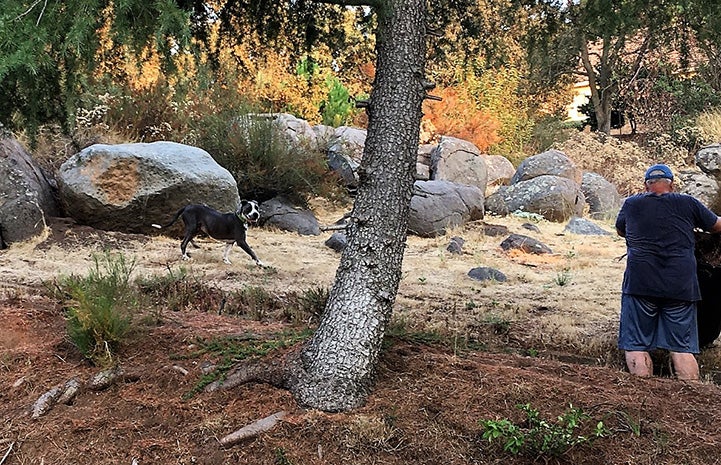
column 545, row 337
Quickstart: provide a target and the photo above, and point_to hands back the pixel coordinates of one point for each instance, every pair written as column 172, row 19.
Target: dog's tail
column 175, row 218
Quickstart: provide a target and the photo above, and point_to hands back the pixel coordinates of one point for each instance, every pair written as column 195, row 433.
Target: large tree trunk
column 336, row 368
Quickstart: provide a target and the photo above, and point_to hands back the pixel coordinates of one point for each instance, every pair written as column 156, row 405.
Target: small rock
column 483, row 273
column 45, row 402
column 70, row 390
column 456, row 245
column 337, row 241
column 104, row 379
column 525, row 243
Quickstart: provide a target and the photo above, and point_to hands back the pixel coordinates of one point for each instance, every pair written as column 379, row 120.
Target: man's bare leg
column 639, row 363
column 685, row 366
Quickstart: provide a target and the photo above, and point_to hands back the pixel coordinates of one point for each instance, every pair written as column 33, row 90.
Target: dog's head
column 249, row 210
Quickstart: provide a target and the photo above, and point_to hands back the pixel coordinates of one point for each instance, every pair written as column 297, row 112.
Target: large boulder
column 26, row 196
column 700, row 185
column 551, row 162
column 500, row 170
column 345, row 152
column 439, row 205
column 297, row 130
column 460, row 162
column 553, row 197
column 280, row 213
column 708, row 159
column 128, row 187
column 423, row 162
column 602, row 197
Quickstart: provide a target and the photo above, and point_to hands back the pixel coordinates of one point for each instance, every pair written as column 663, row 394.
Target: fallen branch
column 334, row 227
column 10, row 449
column 251, row 430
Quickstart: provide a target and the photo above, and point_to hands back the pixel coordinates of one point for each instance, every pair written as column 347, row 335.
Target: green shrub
column 262, row 161
column 337, row 109
column 99, row 307
column 538, row 437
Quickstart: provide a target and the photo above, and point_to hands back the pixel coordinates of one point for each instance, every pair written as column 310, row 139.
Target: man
column 660, row 287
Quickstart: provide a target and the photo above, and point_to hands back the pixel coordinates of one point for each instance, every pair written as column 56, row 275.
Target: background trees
column 623, row 48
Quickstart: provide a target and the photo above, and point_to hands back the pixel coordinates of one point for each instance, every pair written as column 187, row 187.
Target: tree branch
column 27, row 11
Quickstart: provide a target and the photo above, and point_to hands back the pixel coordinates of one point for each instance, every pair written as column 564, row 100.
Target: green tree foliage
column 49, row 50
column 609, row 42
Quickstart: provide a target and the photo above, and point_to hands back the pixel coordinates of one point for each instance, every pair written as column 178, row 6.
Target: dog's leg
column 190, row 232
column 244, row 245
column 228, row 246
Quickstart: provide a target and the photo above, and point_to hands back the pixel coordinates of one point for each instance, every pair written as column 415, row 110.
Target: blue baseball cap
column 659, row 172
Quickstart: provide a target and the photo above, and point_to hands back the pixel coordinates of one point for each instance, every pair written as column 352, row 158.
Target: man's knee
column 685, row 366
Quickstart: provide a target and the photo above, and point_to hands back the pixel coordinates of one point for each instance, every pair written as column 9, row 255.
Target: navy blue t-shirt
column 660, row 243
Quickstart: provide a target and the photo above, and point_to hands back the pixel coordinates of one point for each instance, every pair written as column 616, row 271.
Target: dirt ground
column 545, row 338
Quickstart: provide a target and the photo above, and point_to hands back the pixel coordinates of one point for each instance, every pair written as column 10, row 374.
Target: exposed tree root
column 253, row 429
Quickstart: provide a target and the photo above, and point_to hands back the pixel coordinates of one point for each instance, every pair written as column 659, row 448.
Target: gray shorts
column 649, row 323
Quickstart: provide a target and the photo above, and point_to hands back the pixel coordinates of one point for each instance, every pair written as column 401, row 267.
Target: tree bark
column 335, row 370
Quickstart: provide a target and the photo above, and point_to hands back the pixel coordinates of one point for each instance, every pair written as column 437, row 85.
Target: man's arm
column 716, row 228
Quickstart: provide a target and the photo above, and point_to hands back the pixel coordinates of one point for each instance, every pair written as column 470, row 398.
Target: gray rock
column 555, row 198
column 493, row 230
column 585, row 227
column 345, row 167
column 708, row 159
column 460, row 162
column 551, row 162
column 128, row 187
column 500, row 170
column 280, row 213
column 602, row 196
column 297, row 130
column 438, row 205
column 337, row 241
column 483, row 273
column 531, row 227
column 345, row 153
column 456, row 245
column 525, row 243
column 26, row 195
column 700, row 185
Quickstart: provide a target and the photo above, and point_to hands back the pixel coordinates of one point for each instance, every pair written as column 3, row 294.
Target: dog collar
column 241, row 217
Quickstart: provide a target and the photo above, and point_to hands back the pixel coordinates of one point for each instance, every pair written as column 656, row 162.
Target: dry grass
column 570, row 297
column 710, row 124
column 622, row 163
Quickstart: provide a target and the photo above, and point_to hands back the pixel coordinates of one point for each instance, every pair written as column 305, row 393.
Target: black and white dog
column 228, row 227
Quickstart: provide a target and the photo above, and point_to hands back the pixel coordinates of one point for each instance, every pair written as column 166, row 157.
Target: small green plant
column 281, row 458
column 99, row 307
column 312, row 301
column 256, row 302
column 563, row 277
column 539, row 437
column 422, row 280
